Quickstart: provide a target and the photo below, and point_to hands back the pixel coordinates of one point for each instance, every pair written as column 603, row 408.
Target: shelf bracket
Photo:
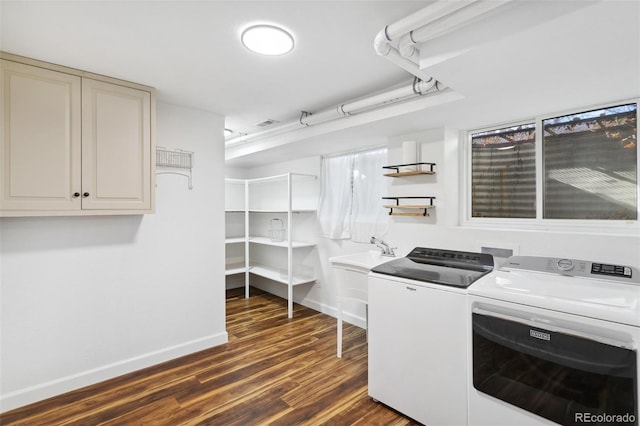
column 398, row 166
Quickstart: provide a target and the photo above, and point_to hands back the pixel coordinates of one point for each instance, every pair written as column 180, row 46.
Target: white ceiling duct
column 438, row 18
column 405, row 93
column 283, row 128
column 417, row 88
column 436, row 10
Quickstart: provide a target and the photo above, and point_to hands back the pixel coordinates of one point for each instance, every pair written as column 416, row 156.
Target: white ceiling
column 532, row 58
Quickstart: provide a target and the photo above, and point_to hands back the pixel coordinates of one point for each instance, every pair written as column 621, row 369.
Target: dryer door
column 566, row 378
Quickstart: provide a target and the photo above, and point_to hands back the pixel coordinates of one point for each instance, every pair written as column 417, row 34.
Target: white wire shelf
column 235, row 268
column 280, row 275
column 282, row 210
column 234, row 240
column 175, row 159
column 282, row 177
column 269, row 242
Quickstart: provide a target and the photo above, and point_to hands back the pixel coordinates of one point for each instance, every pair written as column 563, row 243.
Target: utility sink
column 362, row 262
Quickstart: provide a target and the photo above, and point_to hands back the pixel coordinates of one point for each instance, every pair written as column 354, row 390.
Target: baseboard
column 62, row 385
column 232, row 285
column 234, row 281
column 277, row 289
column 330, row 310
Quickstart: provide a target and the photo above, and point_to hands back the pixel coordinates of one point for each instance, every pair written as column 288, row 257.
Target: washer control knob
column 565, row 264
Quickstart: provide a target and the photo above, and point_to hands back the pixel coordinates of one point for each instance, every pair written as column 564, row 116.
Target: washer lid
column 595, row 298
column 427, row 272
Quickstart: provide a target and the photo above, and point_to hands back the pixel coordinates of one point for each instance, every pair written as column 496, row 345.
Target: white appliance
column 418, row 333
column 555, row 341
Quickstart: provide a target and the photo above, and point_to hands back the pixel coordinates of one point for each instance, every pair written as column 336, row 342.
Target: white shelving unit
column 282, row 195
column 236, row 227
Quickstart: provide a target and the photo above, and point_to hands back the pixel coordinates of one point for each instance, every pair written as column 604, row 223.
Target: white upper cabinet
column 116, row 146
column 40, row 139
column 72, row 144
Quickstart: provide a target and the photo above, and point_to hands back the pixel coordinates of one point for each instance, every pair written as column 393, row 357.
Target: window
column 590, row 165
column 580, row 166
column 352, row 186
column 504, row 172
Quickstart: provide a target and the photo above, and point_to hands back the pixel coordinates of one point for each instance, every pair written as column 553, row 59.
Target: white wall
column 84, row 299
column 442, row 229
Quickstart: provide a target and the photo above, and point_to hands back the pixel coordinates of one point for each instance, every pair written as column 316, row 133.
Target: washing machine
column 554, row 341
column 418, row 333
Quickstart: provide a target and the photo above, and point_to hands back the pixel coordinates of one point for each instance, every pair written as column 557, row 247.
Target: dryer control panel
column 613, row 270
column 574, row 267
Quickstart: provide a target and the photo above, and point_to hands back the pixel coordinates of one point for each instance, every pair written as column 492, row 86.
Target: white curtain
column 368, row 218
column 350, row 200
column 334, row 210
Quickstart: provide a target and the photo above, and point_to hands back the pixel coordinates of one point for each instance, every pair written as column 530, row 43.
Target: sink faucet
column 384, row 247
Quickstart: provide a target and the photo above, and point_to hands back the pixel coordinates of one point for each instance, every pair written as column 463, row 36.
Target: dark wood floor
column 274, row 370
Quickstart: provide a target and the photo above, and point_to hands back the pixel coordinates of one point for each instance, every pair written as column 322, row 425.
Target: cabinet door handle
column 76, row 194
column 411, row 288
column 86, row 194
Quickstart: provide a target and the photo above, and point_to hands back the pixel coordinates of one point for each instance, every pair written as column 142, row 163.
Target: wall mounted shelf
column 423, row 208
column 419, row 169
column 175, row 159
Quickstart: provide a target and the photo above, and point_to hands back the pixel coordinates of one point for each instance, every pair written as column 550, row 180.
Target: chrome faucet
column 385, row 250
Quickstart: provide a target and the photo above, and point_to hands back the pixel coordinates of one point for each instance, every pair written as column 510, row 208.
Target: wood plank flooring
column 274, row 370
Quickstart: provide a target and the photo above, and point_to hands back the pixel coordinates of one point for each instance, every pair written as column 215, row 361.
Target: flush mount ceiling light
column 228, row 132
column 267, row 40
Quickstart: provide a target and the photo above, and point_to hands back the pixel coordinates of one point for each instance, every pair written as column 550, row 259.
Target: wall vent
column 496, row 251
column 266, row 123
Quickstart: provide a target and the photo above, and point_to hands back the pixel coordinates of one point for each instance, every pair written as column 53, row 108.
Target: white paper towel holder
column 409, row 155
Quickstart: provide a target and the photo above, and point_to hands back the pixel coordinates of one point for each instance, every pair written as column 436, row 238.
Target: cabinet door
column 116, row 147
column 40, row 138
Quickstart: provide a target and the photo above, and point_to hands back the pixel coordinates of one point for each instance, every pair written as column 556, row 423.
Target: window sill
column 629, row 228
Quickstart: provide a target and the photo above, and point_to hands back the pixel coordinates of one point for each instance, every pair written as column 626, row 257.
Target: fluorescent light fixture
column 267, row 40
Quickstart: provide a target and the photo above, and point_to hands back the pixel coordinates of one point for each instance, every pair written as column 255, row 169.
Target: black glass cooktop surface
column 446, row 267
